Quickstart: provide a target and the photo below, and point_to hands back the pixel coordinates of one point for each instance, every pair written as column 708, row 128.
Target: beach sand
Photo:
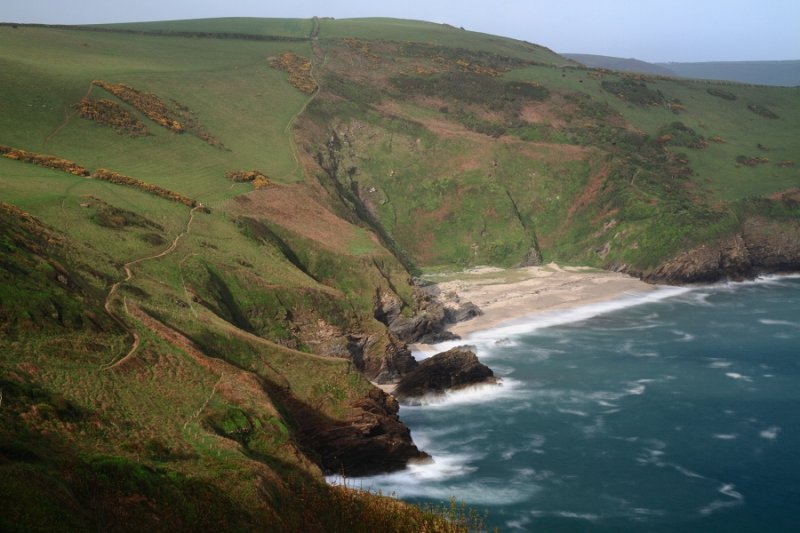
column 512, row 294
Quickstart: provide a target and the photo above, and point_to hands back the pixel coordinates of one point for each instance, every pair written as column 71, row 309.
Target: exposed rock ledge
column 372, row 440
column 451, row 370
column 763, row 246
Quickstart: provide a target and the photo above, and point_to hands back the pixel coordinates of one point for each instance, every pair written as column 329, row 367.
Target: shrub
column 257, row 178
column 750, row 161
column 633, row 91
column 721, row 93
column 762, row 111
column 111, row 114
column 148, row 104
column 48, row 161
column 679, row 134
column 120, row 179
column 299, row 70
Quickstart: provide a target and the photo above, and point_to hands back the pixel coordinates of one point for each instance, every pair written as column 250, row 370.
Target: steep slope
column 467, row 157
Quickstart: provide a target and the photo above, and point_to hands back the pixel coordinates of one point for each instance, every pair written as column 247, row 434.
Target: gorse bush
column 111, row 114
column 147, row 103
column 48, row 161
column 299, row 70
column 721, row 93
column 762, row 111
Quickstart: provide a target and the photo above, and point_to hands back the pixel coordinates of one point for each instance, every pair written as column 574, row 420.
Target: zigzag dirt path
column 67, row 117
column 128, row 275
column 315, row 50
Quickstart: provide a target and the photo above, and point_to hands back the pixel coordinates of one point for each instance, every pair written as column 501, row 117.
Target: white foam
column 686, row 472
column 442, row 478
column 720, row 364
column 591, row 517
column 573, row 412
column 736, row 375
column 684, row 337
column 770, row 322
column 727, row 489
column 726, row 436
column 716, row 505
column 771, row 433
column 507, row 388
column 488, row 339
column 638, row 390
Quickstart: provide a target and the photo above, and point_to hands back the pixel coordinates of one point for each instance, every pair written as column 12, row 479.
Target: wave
column 441, row 478
column 487, row 341
column 506, row 388
column 771, row 433
column 737, row 376
column 728, row 489
column 768, row 322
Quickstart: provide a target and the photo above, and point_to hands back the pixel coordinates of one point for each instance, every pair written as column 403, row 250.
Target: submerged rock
column 451, row 370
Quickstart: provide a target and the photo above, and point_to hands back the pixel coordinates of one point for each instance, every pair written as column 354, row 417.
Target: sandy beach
column 506, row 295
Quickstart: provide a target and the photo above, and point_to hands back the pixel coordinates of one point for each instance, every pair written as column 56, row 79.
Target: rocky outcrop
column 382, row 358
column 370, row 441
column 762, row 246
column 428, row 323
column 451, row 370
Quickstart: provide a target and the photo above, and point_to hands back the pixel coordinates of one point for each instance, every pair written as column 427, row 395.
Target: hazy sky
column 651, row 30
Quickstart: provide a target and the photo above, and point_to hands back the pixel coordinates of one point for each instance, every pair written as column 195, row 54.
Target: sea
column 672, row 410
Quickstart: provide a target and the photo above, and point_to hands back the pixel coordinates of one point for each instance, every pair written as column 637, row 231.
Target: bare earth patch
column 294, row 208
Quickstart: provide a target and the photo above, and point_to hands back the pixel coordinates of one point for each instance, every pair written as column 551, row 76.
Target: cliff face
column 763, row 246
column 370, row 440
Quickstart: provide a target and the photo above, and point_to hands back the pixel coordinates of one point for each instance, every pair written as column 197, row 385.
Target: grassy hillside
column 471, row 158
column 214, row 79
column 183, row 348
column 293, row 28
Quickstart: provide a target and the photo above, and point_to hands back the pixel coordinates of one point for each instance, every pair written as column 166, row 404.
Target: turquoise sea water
column 677, row 410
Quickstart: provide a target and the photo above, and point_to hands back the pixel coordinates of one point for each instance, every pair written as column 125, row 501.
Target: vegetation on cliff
column 165, row 366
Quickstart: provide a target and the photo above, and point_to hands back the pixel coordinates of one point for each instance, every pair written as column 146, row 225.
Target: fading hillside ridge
column 621, row 64
column 784, row 73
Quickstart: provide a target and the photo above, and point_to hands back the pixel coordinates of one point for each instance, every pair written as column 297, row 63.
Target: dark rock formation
column 451, row 370
column 429, row 319
column 428, row 324
column 762, row 246
column 463, row 312
column 382, row 358
column 371, row 440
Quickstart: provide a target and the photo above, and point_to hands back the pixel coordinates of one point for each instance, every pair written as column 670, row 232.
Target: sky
column 650, row 30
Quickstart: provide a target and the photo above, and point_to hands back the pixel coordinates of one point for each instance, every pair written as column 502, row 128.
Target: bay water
column 671, row 410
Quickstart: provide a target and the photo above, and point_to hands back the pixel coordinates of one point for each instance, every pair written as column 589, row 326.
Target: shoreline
column 509, row 295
